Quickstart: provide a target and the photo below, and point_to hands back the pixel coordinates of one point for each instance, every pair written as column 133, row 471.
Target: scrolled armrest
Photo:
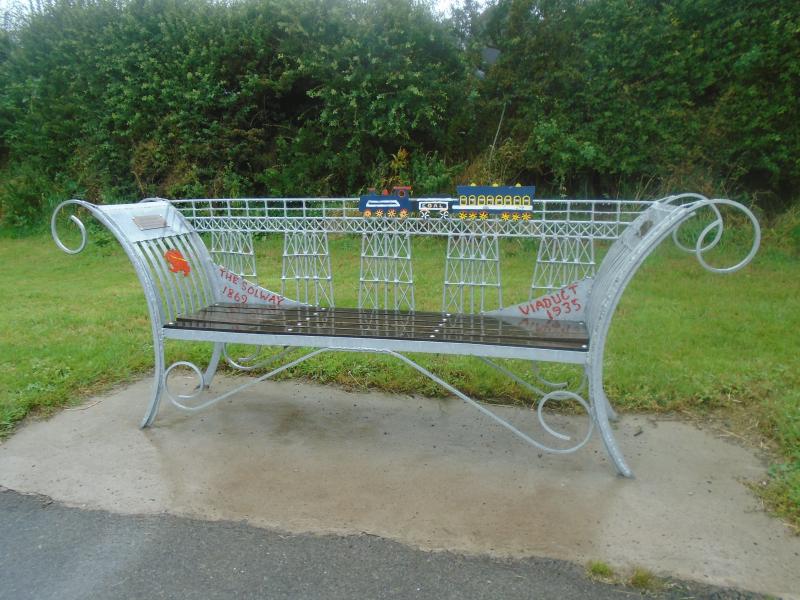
column 75, row 220
column 703, row 244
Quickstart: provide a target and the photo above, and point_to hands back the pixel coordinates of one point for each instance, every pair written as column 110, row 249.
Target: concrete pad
column 431, row 473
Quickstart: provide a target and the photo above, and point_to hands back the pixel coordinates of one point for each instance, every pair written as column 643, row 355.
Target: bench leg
column 158, row 382
column 612, row 414
column 601, row 408
column 211, row 370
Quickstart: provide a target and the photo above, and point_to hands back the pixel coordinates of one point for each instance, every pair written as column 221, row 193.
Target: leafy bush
column 607, row 95
column 132, row 98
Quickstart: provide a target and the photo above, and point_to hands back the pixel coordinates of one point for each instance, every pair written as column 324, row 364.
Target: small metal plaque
column 145, row 222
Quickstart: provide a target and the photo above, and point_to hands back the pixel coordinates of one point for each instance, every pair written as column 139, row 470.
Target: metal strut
column 555, row 395
column 227, row 394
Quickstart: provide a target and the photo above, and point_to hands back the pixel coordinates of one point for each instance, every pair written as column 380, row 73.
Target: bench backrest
column 624, row 258
column 566, row 232
column 179, row 275
column 171, row 261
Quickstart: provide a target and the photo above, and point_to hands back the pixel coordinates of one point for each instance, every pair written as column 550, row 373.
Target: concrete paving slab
column 430, row 473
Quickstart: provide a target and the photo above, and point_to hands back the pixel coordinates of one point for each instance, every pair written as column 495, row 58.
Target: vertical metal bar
column 208, row 289
column 193, row 263
column 155, row 266
column 172, row 279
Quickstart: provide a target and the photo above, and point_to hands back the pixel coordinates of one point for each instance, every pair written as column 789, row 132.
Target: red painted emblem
column 176, row 262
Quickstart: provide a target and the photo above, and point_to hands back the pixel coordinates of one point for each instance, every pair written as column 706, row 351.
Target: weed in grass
column 644, row 580
column 781, row 492
column 597, row 569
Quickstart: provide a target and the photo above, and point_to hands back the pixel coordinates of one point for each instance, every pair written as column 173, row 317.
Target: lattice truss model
column 567, row 231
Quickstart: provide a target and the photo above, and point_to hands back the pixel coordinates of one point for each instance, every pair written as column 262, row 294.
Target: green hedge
column 120, row 99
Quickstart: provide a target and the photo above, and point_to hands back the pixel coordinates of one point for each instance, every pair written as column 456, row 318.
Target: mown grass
column 683, row 339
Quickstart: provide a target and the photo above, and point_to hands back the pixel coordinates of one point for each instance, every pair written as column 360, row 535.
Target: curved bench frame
column 170, row 294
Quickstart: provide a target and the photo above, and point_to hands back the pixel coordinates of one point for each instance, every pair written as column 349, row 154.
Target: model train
column 471, row 202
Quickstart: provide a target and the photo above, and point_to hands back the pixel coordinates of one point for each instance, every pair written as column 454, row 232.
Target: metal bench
column 211, row 294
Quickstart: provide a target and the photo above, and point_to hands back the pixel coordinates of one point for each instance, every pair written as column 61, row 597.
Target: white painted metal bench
column 211, row 294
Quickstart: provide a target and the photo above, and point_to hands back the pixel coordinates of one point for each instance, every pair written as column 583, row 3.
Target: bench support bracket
column 204, row 379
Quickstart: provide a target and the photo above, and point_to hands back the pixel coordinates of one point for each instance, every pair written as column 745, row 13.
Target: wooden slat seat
column 396, row 325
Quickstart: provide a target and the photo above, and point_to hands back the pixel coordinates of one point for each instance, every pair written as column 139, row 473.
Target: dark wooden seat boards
column 375, row 324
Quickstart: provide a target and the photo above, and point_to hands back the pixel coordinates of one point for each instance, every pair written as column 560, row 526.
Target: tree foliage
column 604, row 94
column 118, row 99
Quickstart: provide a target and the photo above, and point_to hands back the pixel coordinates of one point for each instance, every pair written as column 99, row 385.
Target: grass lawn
column 682, row 340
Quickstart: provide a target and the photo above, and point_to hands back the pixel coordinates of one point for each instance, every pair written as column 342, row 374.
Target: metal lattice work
column 234, row 249
column 566, row 230
column 306, row 273
column 386, row 280
column 561, row 261
column 472, row 274
column 599, row 219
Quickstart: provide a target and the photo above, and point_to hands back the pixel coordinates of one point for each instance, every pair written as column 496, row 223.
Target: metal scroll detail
column 76, row 221
column 565, row 395
column 715, row 227
column 556, row 395
column 179, row 400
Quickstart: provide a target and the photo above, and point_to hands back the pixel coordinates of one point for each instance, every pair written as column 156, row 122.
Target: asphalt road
column 48, row 551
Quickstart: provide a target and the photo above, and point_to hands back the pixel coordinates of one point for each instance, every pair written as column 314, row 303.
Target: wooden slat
column 417, row 326
column 539, row 328
column 422, row 322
